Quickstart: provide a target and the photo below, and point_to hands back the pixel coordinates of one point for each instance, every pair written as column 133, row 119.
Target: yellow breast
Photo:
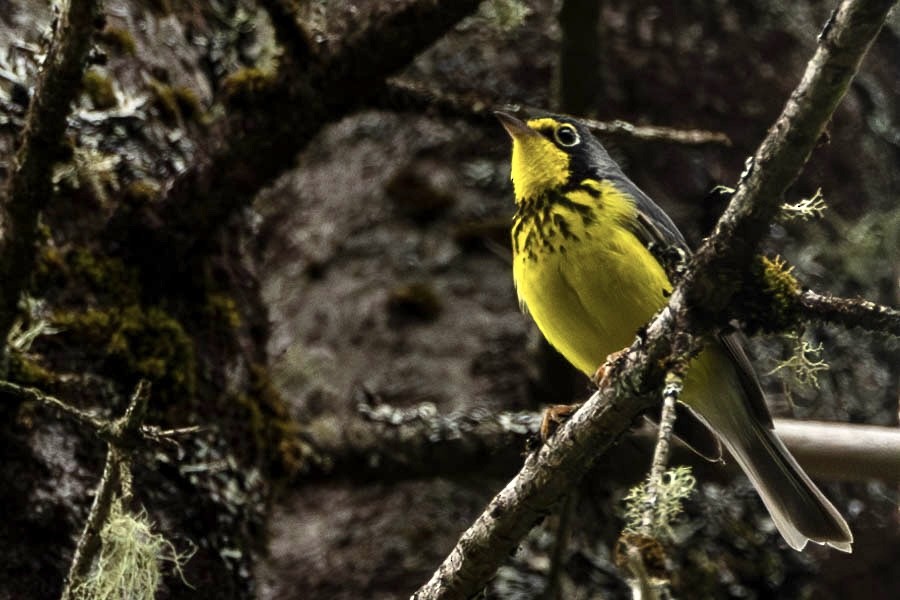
column 587, row 281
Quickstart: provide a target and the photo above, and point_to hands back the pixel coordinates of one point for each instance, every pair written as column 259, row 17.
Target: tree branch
column 261, row 136
column 117, row 467
column 545, row 478
column 709, row 283
column 671, row 393
column 111, row 432
column 427, row 444
column 89, row 541
column 405, row 96
column 384, row 443
column 850, row 312
column 786, row 148
column 30, row 187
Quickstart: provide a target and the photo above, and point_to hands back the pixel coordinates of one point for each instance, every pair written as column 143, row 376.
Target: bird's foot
column 554, row 416
column 611, row 360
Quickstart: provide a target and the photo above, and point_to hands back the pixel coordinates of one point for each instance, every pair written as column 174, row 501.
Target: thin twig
column 122, row 432
column 131, row 421
column 642, row 587
column 656, row 133
column 100, row 426
column 118, row 461
column 89, row 542
column 671, row 393
column 850, row 312
column 407, row 96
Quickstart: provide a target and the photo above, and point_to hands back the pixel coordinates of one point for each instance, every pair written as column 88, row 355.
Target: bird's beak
column 516, row 128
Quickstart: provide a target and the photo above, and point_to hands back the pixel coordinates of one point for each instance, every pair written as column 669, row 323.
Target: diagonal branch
column 30, row 186
column 549, row 474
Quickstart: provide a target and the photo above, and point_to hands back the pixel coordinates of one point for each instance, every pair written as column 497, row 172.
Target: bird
column 585, row 242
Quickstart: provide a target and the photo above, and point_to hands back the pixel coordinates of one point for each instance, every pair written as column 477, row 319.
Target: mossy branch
column 122, row 436
column 710, row 282
column 654, row 503
column 30, row 187
column 386, row 443
column 772, row 300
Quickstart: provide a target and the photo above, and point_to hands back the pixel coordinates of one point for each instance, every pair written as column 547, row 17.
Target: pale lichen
column 131, row 559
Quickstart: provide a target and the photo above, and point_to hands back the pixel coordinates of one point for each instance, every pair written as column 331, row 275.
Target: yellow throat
column 537, row 164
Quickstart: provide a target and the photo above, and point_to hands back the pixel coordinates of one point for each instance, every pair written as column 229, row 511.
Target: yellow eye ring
column 566, row 135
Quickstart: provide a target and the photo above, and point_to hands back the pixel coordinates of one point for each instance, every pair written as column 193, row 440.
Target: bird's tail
column 800, row 511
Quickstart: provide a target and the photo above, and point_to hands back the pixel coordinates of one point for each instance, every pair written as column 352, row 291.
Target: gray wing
column 734, row 342
column 661, row 236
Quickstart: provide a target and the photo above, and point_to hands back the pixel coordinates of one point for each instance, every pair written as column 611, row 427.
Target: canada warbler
column 583, row 267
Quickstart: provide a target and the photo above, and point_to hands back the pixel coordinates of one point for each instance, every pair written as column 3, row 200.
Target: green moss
column 118, row 40
column 99, row 88
column 164, row 100
column 25, row 370
column 275, row 433
column 175, row 103
column 49, row 269
column 779, row 281
column 152, row 344
column 769, row 299
column 222, row 308
column 188, row 102
column 104, row 275
column 245, row 87
column 87, row 275
column 137, row 342
column 92, row 326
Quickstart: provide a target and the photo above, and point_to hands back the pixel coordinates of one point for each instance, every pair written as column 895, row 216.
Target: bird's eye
column 566, row 135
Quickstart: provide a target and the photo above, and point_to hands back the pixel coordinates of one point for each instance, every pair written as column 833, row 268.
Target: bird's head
column 550, row 152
